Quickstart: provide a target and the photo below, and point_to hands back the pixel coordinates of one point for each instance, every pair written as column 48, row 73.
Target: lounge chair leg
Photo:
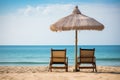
column 66, row 67
column 50, row 68
column 66, row 70
column 95, row 70
column 95, row 67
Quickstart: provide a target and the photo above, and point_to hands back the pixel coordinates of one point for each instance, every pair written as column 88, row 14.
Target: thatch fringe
column 76, row 21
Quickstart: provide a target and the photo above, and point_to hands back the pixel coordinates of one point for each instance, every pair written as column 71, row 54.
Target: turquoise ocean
column 32, row 55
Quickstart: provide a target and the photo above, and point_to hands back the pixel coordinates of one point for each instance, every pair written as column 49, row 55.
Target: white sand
column 41, row 73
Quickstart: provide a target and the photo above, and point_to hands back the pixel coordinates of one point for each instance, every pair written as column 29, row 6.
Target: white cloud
column 44, row 10
column 30, row 25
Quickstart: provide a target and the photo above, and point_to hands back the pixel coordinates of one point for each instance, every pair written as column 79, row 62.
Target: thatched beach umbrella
column 76, row 21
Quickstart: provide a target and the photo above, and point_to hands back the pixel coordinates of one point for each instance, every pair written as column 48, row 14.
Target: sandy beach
column 42, row 73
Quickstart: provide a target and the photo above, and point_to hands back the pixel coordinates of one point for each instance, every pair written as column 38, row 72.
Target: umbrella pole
column 76, row 48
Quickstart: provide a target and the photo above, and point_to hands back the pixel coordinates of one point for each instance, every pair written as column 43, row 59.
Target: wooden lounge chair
column 58, row 57
column 87, row 57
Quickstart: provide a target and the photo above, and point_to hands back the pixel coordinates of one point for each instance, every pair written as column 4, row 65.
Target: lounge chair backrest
column 58, row 55
column 87, row 55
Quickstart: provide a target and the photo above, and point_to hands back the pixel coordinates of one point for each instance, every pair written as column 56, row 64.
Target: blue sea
column 24, row 55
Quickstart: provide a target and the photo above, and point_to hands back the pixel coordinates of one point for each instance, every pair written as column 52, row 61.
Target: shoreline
column 42, row 73
column 36, row 69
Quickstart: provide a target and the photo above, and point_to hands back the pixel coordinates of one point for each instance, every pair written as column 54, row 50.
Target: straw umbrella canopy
column 76, row 21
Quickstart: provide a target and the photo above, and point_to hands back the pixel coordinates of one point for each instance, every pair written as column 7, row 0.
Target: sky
column 27, row 22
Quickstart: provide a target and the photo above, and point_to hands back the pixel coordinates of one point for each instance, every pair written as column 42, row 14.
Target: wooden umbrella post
column 76, row 48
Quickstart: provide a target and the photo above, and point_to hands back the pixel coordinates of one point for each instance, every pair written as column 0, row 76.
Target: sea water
column 24, row 55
